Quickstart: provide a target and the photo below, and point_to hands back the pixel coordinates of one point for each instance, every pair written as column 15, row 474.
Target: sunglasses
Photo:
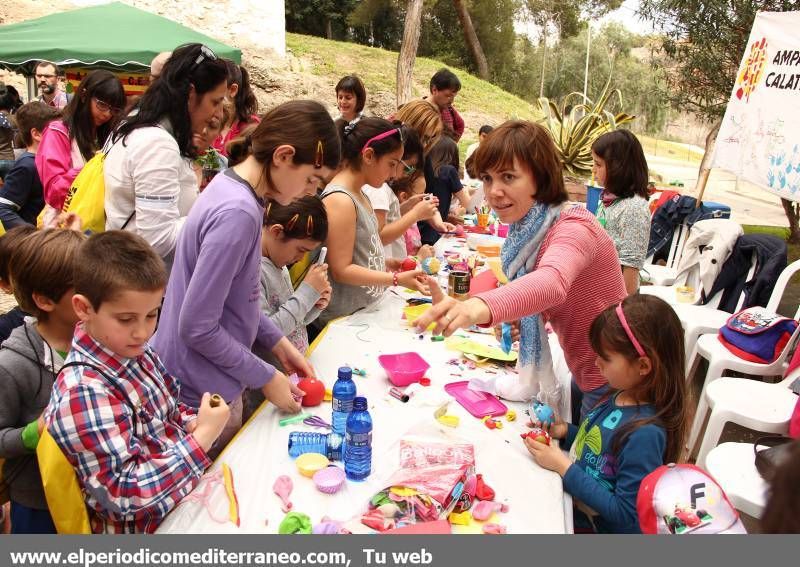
column 383, row 135
column 105, row 107
column 205, row 55
column 408, row 169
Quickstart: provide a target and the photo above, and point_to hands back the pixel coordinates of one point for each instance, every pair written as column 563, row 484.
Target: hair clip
column 292, row 221
column 348, row 129
column 320, row 155
column 248, row 141
column 269, row 208
column 309, row 226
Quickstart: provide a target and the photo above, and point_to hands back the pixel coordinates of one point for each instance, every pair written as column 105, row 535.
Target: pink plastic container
column 502, row 230
column 479, row 404
column 404, row 368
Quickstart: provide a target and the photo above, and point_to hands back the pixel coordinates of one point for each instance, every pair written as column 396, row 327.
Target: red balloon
column 408, row 264
column 314, row 389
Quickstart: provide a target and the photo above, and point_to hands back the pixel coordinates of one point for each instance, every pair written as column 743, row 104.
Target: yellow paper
column 468, row 346
column 404, row 491
column 414, row 312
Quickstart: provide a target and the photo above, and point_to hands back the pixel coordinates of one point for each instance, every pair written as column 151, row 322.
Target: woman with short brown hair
column 562, row 266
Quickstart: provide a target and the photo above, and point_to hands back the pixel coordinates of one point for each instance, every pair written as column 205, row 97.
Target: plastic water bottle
column 358, row 442
column 344, row 391
column 328, row 444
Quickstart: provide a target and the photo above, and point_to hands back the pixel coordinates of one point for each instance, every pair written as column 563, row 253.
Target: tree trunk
column 792, row 210
column 705, row 165
column 471, row 38
column 328, row 29
column 408, row 50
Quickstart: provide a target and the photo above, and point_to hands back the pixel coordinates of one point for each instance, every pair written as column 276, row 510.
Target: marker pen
column 398, row 394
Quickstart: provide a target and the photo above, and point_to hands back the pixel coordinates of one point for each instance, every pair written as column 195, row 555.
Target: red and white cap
column 682, row 499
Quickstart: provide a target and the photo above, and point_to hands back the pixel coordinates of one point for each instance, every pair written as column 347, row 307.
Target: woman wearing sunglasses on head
column 150, row 183
column 67, row 144
column 371, row 151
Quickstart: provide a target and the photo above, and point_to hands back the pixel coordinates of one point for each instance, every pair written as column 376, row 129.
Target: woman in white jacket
column 150, row 184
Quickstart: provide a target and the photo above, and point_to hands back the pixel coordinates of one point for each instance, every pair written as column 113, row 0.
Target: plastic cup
column 483, row 220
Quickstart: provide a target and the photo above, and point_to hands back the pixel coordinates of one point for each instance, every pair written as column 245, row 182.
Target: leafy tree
column 323, row 18
column 568, row 17
column 706, row 41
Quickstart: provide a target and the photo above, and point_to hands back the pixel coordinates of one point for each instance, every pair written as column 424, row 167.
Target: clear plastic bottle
column 344, row 391
column 358, row 442
column 328, row 444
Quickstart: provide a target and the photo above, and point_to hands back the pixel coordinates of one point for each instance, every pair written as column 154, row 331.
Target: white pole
column 586, row 69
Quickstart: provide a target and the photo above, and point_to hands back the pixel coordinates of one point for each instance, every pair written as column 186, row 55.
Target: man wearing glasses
column 47, row 81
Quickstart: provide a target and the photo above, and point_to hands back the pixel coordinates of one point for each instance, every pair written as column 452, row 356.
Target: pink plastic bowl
column 404, row 368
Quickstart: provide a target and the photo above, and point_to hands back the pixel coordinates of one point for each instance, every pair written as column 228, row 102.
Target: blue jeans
column 26, row 520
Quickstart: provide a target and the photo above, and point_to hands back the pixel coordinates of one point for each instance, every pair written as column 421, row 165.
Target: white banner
column 759, row 139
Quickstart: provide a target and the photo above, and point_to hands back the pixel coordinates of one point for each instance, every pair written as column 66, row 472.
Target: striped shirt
column 577, row 275
column 123, row 431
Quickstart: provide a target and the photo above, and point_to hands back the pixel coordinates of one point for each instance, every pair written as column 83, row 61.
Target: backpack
column 757, row 335
column 87, row 194
column 683, row 499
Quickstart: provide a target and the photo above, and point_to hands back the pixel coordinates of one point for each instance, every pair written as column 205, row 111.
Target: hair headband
column 624, row 322
column 383, row 135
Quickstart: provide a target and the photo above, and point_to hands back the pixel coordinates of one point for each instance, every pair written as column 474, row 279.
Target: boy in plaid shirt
column 114, row 411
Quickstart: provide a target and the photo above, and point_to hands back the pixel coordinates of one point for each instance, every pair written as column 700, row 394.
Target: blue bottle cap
column 359, row 403
column 345, row 372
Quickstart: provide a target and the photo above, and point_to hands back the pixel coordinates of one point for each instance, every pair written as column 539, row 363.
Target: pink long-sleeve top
column 577, row 275
column 58, row 162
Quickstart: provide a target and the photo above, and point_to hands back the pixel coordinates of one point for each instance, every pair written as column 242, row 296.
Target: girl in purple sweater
column 211, row 316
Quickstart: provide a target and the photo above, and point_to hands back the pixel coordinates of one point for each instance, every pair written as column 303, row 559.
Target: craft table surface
column 258, row 455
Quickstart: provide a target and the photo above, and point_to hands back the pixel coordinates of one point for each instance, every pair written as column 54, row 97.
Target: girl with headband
column 639, row 346
column 371, row 151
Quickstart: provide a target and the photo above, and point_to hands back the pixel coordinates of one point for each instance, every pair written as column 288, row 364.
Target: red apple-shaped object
column 537, row 434
column 408, row 264
column 314, row 389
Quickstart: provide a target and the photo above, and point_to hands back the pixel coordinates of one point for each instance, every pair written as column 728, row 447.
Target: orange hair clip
column 292, row 221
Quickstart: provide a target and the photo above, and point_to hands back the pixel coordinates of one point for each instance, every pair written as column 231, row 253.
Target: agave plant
column 575, row 128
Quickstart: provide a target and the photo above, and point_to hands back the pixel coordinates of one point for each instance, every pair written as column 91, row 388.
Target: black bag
column 770, row 459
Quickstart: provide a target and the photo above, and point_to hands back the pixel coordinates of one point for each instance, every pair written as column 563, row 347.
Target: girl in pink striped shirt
column 562, row 266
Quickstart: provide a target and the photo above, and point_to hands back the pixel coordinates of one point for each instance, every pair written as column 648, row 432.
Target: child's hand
column 317, row 277
column 393, row 264
column 444, row 227
column 70, row 221
column 424, row 210
column 280, row 391
column 549, row 457
column 498, row 332
column 40, row 424
column 557, row 430
column 425, row 251
column 324, row 299
column 414, row 279
column 292, row 359
column 210, row 421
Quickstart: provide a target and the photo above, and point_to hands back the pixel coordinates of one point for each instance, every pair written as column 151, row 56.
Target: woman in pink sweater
column 562, row 266
column 67, row 144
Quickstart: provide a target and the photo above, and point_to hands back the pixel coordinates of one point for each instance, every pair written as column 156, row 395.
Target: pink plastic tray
column 477, row 403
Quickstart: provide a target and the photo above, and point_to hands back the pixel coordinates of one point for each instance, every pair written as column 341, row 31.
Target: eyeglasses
column 205, row 55
column 42, row 76
column 105, row 107
column 407, row 169
column 383, row 135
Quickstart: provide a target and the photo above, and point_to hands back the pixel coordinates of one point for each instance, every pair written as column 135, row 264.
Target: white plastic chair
column 665, row 275
column 700, row 319
column 733, row 466
column 750, row 403
column 721, row 359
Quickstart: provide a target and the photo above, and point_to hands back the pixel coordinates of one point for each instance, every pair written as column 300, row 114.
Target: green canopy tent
column 113, row 36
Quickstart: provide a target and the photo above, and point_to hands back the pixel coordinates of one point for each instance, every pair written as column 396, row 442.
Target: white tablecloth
column 258, row 455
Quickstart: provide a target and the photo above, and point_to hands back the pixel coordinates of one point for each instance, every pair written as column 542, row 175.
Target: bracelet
column 394, row 279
